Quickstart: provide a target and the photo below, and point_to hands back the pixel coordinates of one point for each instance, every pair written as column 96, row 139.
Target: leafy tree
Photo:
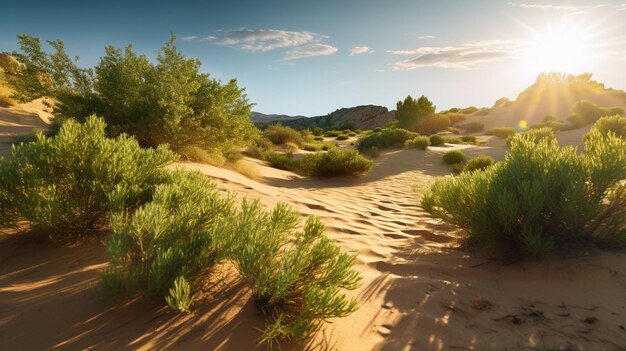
column 411, row 110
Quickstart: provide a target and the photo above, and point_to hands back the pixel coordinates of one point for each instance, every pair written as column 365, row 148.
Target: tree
column 411, row 111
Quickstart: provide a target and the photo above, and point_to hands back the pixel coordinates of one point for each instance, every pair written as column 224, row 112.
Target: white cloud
column 260, row 40
column 422, row 37
column 464, row 56
column 358, row 50
column 310, row 51
column 564, row 8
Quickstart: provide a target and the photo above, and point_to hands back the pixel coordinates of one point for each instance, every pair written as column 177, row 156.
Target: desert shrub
column 432, row 124
column 453, row 157
column 478, row 163
column 468, row 110
column 483, row 111
column 457, row 168
column 352, row 134
column 279, row 135
column 502, row 132
column 342, row 137
column 291, row 147
column 259, row 148
column 613, row 124
column 533, row 135
column 318, row 146
column 411, row 111
column 542, row 198
column 553, row 124
column 6, row 101
column 232, row 155
column 283, row 161
column 386, row 138
column 472, row 127
column 454, row 130
column 65, row 185
column 296, row 275
column 436, row 140
column 168, row 247
column 455, row 117
column 586, row 112
column 318, row 138
column 469, row 139
column 419, row 142
column 452, row 140
column 372, row 152
column 332, row 133
column 318, row 131
column 335, row 162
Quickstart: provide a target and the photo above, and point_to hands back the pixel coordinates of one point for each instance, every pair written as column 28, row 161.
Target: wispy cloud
column 423, row 37
column 562, row 8
column 310, row 51
column 358, row 50
column 465, row 56
column 259, row 40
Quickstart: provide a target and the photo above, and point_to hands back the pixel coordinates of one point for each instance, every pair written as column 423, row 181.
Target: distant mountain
column 360, row 117
column 552, row 94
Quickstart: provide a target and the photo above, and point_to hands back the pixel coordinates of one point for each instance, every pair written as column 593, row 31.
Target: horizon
column 313, row 58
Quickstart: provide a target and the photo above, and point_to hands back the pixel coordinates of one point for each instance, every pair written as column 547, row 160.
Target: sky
column 313, row 57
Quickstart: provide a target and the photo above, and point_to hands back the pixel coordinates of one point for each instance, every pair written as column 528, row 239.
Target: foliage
column 279, row 135
column 431, row 124
column 411, row 111
column 468, row 110
column 478, row 163
column 283, row 161
column 469, row 139
column 296, row 275
column 586, row 112
column 472, row 127
column 541, row 198
column 452, row 140
column 385, row 138
column 259, row 148
column 335, row 162
column 534, row 135
column 502, row 132
column 454, row 117
column 436, row 140
column 419, row 142
column 318, row 146
column 66, row 185
column 453, row 157
column 612, row 124
column 169, row 246
column 333, row 133
column 343, row 137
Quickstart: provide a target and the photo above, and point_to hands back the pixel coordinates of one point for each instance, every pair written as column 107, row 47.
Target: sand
column 419, row 291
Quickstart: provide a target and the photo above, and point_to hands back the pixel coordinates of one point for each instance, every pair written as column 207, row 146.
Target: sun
column 561, row 48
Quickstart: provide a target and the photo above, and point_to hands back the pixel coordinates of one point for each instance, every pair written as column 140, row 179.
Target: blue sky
column 312, row 57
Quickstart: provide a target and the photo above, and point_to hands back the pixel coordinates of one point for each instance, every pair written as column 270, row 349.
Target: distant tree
column 411, row 110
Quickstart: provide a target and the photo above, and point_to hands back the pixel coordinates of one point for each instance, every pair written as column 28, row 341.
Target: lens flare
column 522, row 125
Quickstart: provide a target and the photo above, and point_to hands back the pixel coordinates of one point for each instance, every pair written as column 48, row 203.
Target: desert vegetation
column 385, row 138
column 335, row 162
column 542, row 198
column 502, row 132
column 585, row 112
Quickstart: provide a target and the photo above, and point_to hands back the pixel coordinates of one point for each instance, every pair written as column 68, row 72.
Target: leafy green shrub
column 419, row 142
column 478, row 163
column 279, row 135
column 168, row 246
column 283, row 161
column 586, row 112
column 353, row 134
column 65, row 185
column 332, row 133
column 472, row 127
column 372, row 152
column 259, row 148
column 541, row 198
column 553, row 124
column 318, row 138
column 296, row 275
column 457, row 168
column 436, row 140
column 452, row 140
column 291, row 147
column 335, row 162
column 453, row 157
column 533, row 135
column 318, row 131
column 454, row 130
column 469, row 139
column 386, row 138
column 432, row 124
column 502, row 132
column 613, row 124
column 342, row 137
column 319, row 146
column 455, row 117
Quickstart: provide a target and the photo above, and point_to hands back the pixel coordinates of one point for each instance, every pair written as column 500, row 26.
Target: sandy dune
column 419, row 292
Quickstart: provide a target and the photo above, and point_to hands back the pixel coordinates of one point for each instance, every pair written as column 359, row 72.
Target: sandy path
column 418, row 292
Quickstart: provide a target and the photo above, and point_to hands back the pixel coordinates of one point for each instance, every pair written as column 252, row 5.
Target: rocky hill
column 361, row 117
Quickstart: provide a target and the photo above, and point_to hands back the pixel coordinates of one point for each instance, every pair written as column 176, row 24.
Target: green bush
column 613, row 124
column 283, row 161
column 318, row 138
column 319, row 146
column 586, row 112
column 259, row 148
column 452, row 140
column 457, row 168
column 419, row 142
column 342, row 137
column 66, row 185
column 469, row 139
column 553, row 124
column 168, row 247
column 534, row 135
column 472, row 127
column 296, row 275
column 386, row 138
column 502, row 132
column 372, row 152
column 332, row 133
column 453, row 157
column 455, row 117
column 436, row 140
column 432, row 124
column 280, row 135
column 335, row 162
column 542, row 198
column 478, row 163
column 454, row 130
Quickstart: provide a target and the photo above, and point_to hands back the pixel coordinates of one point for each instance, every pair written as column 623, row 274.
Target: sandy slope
column 419, row 293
